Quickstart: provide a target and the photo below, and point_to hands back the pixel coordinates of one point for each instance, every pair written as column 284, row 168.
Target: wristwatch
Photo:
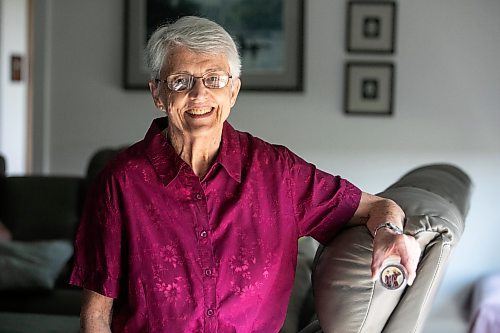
column 391, row 226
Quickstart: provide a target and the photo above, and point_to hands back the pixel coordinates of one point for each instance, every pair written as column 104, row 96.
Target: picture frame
column 269, row 37
column 369, row 88
column 371, row 27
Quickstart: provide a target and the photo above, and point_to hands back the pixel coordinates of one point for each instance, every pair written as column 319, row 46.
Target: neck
column 198, row 152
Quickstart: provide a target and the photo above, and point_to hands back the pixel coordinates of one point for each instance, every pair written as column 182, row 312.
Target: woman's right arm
column 95, row 316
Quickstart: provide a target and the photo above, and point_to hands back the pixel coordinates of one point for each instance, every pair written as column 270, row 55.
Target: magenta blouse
column 180, row 254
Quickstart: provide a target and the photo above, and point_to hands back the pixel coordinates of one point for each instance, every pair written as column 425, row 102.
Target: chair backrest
column 99, row 160
column 40, row 207
column 435, row 199
column 46, row 207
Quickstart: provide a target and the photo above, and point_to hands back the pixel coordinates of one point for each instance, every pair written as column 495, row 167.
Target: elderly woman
column 195, row 228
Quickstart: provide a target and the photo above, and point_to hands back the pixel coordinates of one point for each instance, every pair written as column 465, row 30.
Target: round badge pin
column 393, row 276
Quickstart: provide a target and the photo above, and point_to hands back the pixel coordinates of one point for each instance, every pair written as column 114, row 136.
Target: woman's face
column 199, row 111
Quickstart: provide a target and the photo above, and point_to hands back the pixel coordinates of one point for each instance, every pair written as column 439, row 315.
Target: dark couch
column 39, row 208
column 45, row 208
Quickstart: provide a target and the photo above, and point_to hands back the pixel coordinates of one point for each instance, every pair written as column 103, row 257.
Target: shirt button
column 203, row 234
column 198, row 196
column 208, row 272
column 210, row 312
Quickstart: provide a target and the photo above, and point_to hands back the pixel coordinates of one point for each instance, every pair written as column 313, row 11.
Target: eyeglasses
column 184, row 82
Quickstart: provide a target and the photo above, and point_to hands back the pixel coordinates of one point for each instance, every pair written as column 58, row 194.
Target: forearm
column 96, row 313
column 94, row 324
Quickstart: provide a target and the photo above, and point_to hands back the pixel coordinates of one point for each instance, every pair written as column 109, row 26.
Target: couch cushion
column 32, row 265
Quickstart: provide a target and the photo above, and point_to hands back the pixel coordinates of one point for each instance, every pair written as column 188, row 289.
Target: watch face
column 393, row 276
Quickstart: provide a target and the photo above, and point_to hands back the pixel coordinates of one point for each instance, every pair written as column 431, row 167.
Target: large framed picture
column 371, row 27
column 369, row 88
column 269, row 34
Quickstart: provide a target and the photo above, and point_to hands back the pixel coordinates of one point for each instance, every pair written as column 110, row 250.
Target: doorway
column 14, row 85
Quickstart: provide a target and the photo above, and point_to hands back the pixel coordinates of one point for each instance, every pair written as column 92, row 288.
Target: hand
column 388, row 243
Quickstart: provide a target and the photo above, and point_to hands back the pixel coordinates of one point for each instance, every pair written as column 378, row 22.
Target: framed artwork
column 369, row 88
column 269, row 34
column 371, row 27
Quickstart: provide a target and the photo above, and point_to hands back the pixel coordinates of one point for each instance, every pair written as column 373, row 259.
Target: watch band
column 389, row 226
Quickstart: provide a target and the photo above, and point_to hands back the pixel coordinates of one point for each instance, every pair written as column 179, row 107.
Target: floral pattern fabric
column 218, row 254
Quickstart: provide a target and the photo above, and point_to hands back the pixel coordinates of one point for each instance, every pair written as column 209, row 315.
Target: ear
column 155, row 93
column 235, row 89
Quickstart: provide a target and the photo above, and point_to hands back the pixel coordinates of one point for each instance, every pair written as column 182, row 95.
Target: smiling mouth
column 199, row 112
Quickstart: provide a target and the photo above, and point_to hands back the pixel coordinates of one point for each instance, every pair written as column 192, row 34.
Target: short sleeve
column 323, row 203
column 98, row 239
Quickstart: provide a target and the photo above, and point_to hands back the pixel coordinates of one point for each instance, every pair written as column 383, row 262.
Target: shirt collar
column 168, row 164
column 160, row 152
column 230, row 152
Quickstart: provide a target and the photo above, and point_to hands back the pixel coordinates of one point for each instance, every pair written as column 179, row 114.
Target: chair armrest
column 435, row 200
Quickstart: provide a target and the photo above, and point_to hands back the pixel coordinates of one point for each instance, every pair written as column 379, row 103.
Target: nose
column 198, row 88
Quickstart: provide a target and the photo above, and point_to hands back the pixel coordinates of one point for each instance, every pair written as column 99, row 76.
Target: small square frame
column 369, row 88
column 371, row 27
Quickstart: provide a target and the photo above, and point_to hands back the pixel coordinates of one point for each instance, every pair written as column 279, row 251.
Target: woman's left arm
column 384, row 220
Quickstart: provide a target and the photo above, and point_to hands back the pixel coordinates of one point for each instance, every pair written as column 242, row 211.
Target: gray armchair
column 435, row 199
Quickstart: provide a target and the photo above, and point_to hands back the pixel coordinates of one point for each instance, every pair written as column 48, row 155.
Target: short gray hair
column 198, row 35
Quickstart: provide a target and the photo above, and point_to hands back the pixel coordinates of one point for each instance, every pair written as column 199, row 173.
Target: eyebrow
column 220, row 72
column 209, row 70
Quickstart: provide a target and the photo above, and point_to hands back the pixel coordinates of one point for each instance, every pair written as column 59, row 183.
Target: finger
column 375, row 270
column 406, row 262
column 411, row 277
column 410, row 262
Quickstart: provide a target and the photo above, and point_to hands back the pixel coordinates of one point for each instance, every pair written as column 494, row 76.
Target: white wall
column 13, row 95
column 447, row 105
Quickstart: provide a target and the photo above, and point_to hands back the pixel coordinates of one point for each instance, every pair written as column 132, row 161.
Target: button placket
column 205, row 251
